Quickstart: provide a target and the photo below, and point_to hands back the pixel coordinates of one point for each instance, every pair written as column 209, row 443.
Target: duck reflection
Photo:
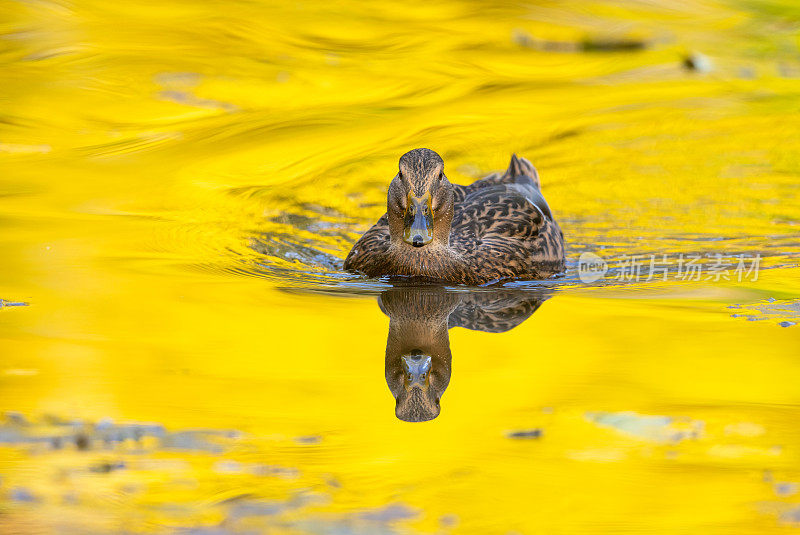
column 418, row 346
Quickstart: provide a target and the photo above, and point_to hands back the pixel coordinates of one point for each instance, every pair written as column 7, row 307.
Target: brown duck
column 418, row 358
column 497, row 228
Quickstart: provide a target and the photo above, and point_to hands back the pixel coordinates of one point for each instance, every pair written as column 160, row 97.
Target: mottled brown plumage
column 418, row 358
column 498, row 228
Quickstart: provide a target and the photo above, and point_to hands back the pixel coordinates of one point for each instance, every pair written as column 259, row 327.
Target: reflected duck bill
column 418, row 220
column 417, row 371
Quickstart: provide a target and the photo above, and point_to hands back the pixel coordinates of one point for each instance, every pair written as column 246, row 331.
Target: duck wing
column 369, row 251
column 505, row 231
column 521, row 175
column 495, row 312
column 520, row 171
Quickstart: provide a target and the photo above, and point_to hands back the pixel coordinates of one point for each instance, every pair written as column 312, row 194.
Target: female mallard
column 418, row 358
column 499, row 227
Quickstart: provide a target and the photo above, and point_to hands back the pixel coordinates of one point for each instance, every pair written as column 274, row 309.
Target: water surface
column 181, row 352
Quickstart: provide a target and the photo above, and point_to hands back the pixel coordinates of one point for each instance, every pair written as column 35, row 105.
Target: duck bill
column 416, row 369
column 418, row 221
column 417, row 401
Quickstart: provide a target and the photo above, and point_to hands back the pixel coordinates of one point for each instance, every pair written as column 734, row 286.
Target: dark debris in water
column 698, row 62
column 16, row 418
column 5, row 304
column 785, row 312
column 448, row 521
column 587, row 44
column 378, row 521
column 309, row 439
column 786, row 488
column 228, row 466
column 105, row 467
column 792, row 516
column 22, row 494
column 526, row 434
column 56, row 434
column 206, row 440
column 253, row 508
column 245, row 512
column 250, row 512
column 390, row 513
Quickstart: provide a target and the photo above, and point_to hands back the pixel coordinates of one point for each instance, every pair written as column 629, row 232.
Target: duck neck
column 418, row 320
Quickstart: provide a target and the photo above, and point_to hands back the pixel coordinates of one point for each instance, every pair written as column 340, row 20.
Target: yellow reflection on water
column 179, row 183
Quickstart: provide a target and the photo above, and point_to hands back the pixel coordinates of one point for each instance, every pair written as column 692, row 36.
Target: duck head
column 417, row 379
column 420, row 201
column 417, row 400
column 418, row 349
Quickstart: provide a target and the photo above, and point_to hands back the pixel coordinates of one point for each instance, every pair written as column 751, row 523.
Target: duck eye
column 441, row 175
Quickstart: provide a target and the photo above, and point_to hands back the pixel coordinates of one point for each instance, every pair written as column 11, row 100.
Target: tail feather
column 520, row 167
